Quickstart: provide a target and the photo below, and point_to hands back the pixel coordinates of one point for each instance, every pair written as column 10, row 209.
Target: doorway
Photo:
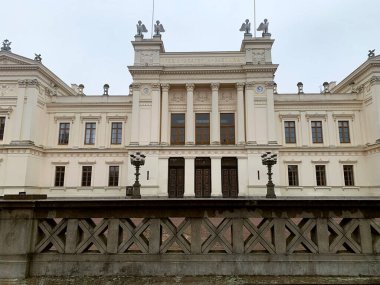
column 230, row 188
column 202, row 177
column 176, row 183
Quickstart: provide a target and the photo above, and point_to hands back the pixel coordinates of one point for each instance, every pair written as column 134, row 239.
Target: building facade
column 203, row 120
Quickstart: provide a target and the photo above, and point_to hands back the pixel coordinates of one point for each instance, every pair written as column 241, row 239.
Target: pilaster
column 271, row 123
column 135, row 115
column 240, row 113
column 155, row 118
column 165, row 114
column 215, row 129
column 190, row 114
column 189, row 176
column 250, row 113
column 216, row 177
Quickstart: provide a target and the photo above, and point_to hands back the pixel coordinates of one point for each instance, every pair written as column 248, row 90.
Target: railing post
column 323, row 235
column 113, row 235
column 155, row 236
column 71, row 235
column 279, row 235
column 237, row 235
column 196, row 242
column 365, row 236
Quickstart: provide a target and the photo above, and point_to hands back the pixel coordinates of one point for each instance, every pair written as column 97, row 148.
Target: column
column 155, row 115
column 240, row 113
column 189, row 176
column 189, row 114
column 19, row 111
column 271, row 125
column 215, row 126
column 250, row 113
column 216, row 177
column 135, row 114
column 165, row 114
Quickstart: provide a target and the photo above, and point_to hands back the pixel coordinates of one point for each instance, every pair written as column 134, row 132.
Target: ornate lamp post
column 269, row 160
column 137, row 160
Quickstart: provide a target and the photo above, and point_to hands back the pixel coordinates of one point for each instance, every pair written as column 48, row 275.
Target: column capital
column 240, row 85
column 165, row 87
column 136, row 86
column 155, row 86
column 250, row 84
column 190, row 87
column 215, row 86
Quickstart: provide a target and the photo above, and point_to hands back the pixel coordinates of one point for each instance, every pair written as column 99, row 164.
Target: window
column 227, row 128
column 59, row 176
column 116, row 133
column 344, row 132
column 316, row 131
column 177, row 129
column 202, row 128
column 320, row 174
column 290, row 131
column 2, row 127
column 348, row 171
column 86, row 175
column 89, row 137
column 293, row 175
column 64, row 130
column 113, row 176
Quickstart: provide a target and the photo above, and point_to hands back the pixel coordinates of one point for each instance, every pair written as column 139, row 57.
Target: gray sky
column 88, row 41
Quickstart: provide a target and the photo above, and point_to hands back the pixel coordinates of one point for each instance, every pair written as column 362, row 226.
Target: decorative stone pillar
column 216, row 177
column 189, row 176
column 165, row 114
column 135, row 115
column 155, row 117
column 271, row 126
column 240, row 113
column 190, row 114
column 250, row 113
column 215, row 126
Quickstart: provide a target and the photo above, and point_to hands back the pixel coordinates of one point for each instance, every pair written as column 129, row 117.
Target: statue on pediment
column 37, row 57
column 141, row 29
column 371, row 53
column 158, row 28
column 264, row 26
column 246, row 27
column 6, row 45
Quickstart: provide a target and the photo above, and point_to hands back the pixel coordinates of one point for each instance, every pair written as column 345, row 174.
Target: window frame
column 118, row 134
column 351, row 179
column 92, row 134
column 203, row 129
column 315, row 138
column 60, row 133
column 113, row 180
column 344, row 132
column 176, row 130
column 86, row 179
column 290, row 128
column 59, row 176
column 2, row 127
column 296, row 184
column 230, row 128
column 320, row 176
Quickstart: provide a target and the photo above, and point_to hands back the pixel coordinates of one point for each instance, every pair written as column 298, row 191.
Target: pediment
column 7, row 58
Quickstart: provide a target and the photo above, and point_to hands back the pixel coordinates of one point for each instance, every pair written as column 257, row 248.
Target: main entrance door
column 202, row 177
column 229, row 177
column 176, row 185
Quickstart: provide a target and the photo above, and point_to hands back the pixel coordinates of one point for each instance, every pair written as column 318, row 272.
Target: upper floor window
column 116, row 132
column 177, row 135
column 293, row 175
column 202, row 128
column 344, row 132
column 64, row 130
column 86, row 175
column 320, row 175
column 89, row 137
column 227, row 128
column 59, row 180
column 316, row 131
column 2, row 127
column 348, row 172
column 290, row 131
column 113, row 176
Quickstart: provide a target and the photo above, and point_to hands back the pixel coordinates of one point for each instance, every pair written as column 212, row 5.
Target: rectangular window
column 113, row 176
column 320, row 174
column 227, row 128
column 86, row 175
column 64, row 130
column 348, row 171
column 116, row 132
column 59, row 176
column 316, row 131
column 344, row 132
column 89, row 137
column 202, row 128
column 290, row 131
column 293, row 175
column 177, row 135
column 2, row 127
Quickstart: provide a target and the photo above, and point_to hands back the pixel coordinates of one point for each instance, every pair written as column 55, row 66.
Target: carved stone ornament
column 258, row 56
column 5, row 89
column 6, row 45
column 190, row 87
column 165, row 87
column 202, row 96
column 226, row 97
column 146, row 58
column 240, row 85
column 155, row 86
column 215, row 86
column 177, row 97
column 375, row 80
column 28, row 82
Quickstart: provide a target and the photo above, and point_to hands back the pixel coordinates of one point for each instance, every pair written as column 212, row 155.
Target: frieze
column 202, row 96
column 209, row 60
column 28, row 82
column 177, row 97
column 227, row 97
column 6, row 89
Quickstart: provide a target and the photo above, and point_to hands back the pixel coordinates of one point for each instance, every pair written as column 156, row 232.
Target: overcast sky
column 88, row 41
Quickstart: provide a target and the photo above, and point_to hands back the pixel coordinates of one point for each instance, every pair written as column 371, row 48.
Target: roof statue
column 246, row 27
column 6, row 45
column 37, row 57
column 371, row 53
column 264, row 27
column 141, row 29
column 158, row 28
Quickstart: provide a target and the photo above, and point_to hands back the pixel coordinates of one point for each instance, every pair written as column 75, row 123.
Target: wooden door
column 230, row 187
column 176, row 183
column 202, row 177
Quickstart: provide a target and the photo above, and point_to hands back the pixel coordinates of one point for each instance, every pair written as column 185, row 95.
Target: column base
column 189, row 143
column 215, row 143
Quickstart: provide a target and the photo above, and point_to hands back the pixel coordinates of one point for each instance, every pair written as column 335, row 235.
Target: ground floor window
column 202, row 177
column 59, row 180
column 293, row 175
column 348, row 171
column 113, row 175
column 86, row 175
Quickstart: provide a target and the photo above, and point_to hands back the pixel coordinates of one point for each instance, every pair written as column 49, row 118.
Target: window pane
column 64, row 130
column 113, row 176
column 227, row 128
column 344, row 131
column 293, row 175
column 290, row 131
column 86, row 175
column 202, row 128
column 2, row 127
column 348, row 171
column 320, row 174
column 59, row 176
column 177, row 134
column 116, row 133
column 90, row 133
column 316, row 131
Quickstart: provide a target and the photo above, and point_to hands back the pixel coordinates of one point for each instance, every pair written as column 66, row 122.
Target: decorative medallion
column 260, row 89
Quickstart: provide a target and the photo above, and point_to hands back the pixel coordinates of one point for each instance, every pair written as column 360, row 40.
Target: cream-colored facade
column 328, row 144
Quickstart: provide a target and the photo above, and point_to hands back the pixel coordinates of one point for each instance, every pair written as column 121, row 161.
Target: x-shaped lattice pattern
column 344, row 235
column 301, row 234
column 175, row 235
column 375, row 227
column 258, row 235
column 135, row 235
column 52, row 232
column 217, row 235
column 93, row 234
